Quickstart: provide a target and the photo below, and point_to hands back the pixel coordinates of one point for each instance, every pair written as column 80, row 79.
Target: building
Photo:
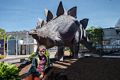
column 20, row 43
column 111, row 39
column 117, row 25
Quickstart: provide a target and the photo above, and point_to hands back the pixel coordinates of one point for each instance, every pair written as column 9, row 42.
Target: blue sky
column 17, row 15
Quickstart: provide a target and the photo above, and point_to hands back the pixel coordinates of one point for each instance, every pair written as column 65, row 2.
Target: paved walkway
column 14, row 58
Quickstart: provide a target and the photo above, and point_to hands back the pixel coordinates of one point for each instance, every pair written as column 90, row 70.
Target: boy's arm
column 33, row 66
column 34, row 62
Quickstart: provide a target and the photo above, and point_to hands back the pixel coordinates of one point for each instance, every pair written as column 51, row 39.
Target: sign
column 2, row 44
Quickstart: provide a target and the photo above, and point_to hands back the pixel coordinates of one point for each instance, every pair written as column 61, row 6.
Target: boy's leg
column 42, row 75
column 36, row 77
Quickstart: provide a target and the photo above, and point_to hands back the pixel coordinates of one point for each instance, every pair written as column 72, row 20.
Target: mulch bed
column 89, row 68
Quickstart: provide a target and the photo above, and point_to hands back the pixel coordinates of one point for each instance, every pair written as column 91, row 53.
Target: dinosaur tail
column 83, row 36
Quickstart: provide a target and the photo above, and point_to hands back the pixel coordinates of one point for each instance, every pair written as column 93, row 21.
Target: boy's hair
column 42, row 47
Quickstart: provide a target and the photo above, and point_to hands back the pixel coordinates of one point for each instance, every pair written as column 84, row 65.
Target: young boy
column 42, row 60
column 38, row 64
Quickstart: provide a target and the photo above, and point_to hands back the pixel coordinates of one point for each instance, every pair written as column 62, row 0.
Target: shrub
column 2, row 56
column 31, row 56
column 8, row 72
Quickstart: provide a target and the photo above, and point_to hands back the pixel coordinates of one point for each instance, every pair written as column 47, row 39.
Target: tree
column 2, row 33
column 95, row 34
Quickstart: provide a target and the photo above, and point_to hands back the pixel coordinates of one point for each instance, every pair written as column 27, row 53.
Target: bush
column 32, row 56
column 9, row 72
column 2, row 56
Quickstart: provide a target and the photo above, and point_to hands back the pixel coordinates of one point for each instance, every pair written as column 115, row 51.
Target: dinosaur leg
column 74, row 49
column 60, row 53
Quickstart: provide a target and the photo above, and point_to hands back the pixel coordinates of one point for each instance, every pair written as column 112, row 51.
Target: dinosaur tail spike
column 60, row 10
column 84, row 22
column 73, row 12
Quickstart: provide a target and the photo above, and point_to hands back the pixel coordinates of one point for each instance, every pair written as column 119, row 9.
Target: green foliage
column 32, row 56
column 8, row 72
column 47, row 54
column 2, row 56
column 2, row 33
column 95, row 34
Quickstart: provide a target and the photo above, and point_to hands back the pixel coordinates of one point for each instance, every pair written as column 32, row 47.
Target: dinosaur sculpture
column 62, row 30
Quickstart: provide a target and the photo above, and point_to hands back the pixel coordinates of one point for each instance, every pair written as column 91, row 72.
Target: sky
column 19, row 15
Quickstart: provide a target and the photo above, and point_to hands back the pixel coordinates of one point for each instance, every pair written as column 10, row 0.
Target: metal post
column 27, row 44
column 16, row 46
column 7, row 46
column 4, row 43
column 7, row 43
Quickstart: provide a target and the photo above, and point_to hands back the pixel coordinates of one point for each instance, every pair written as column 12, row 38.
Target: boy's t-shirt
column 41, row 63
